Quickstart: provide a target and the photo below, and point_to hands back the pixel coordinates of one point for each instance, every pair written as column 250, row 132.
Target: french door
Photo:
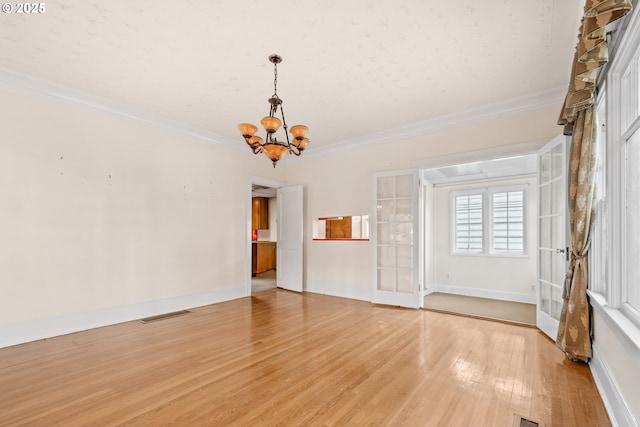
column 396, row 239
column 552, row 233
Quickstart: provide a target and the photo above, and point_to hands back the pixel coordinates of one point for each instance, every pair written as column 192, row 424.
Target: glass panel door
column 552, row 238
column 396, row 226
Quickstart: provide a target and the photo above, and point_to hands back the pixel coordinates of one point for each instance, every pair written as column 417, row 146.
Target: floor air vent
column 163, row 316
column 521, row 421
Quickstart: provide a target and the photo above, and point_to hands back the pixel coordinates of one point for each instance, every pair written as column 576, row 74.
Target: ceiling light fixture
column 271, row 147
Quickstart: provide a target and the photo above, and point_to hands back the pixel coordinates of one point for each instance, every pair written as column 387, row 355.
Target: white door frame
column 266, row 182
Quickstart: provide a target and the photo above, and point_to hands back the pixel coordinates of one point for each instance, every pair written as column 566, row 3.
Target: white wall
column 342, row 182
column 616, row 369
column 508, row 278
column 101, row 213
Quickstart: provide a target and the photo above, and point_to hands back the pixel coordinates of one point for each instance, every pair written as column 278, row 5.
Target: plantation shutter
column 468, row 223
column 508, row 221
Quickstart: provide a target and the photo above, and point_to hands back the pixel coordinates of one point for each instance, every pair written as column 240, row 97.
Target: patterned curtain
column 574, row 332
column 579, row 119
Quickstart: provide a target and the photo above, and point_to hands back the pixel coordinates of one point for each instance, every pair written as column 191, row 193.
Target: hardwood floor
column 281, row 358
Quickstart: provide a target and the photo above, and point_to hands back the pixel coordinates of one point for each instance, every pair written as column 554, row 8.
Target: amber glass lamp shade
column 301, row 143
column 299, row 131
column 247, row 129
column 275, row 152
column 271, row 124
column 254, row 141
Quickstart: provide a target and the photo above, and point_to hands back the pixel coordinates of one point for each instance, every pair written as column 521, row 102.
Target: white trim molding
column 13, row 80
column 486, row 293
column 32, row 330
column 493, row 153
column 46, row 90
column 521, row 104
column 614, row 402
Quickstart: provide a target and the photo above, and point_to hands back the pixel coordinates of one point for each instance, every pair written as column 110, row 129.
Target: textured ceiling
column 351, row 68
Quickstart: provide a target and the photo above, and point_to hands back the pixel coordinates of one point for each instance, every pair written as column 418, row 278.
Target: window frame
column 599, row 257
column 621, row 89
column 631, row 312
column 488, row 248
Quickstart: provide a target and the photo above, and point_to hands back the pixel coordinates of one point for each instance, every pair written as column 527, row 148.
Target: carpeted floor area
column 504, row 311
column 263, row 281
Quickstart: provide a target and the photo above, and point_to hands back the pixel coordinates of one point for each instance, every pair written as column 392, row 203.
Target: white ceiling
column 351, row 68
column 486, row 169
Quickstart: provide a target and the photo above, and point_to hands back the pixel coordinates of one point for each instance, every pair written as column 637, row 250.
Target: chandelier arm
column 284, row 125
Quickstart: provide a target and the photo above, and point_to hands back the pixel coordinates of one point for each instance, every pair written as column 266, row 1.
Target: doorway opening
column 264, row 238
column 480, row 233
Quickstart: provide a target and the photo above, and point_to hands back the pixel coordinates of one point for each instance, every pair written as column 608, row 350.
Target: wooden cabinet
column 263, row 257
column 260, row 213
column 339, row 228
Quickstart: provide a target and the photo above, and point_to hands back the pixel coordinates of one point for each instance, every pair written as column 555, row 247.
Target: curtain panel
column 578, row 116
column 574, row 331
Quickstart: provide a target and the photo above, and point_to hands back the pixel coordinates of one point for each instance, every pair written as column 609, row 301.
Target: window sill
column 626, row 331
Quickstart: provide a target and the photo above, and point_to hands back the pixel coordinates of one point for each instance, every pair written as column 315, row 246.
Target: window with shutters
column 468, row 223
column 507, row 209
column 489, row 221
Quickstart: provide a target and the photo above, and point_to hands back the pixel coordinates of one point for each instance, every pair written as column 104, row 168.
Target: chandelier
column 270, row 146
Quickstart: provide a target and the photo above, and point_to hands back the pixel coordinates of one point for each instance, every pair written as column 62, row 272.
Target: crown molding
column 12, row 80
column 493, row 153
column 51, row 91
column 547, row 98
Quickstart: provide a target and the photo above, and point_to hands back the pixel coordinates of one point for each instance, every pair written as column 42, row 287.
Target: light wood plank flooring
column 281, row 358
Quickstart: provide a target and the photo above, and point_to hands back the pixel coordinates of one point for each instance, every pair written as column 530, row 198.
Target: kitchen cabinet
column 263, row 257
column 260, row 213
column 339, row 228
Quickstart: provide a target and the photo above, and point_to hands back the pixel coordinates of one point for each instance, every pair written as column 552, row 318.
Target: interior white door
column 552, row 233
column 396, row 239
column 289, row 254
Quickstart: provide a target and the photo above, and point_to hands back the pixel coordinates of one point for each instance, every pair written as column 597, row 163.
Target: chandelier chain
column 275, row 80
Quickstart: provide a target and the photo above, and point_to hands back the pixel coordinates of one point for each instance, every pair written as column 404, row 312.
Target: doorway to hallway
column 264, row 236
column 264, row 282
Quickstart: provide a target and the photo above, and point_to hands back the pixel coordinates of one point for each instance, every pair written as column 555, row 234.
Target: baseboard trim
column 32, row 330
column 486, row 293
column 617, row 409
